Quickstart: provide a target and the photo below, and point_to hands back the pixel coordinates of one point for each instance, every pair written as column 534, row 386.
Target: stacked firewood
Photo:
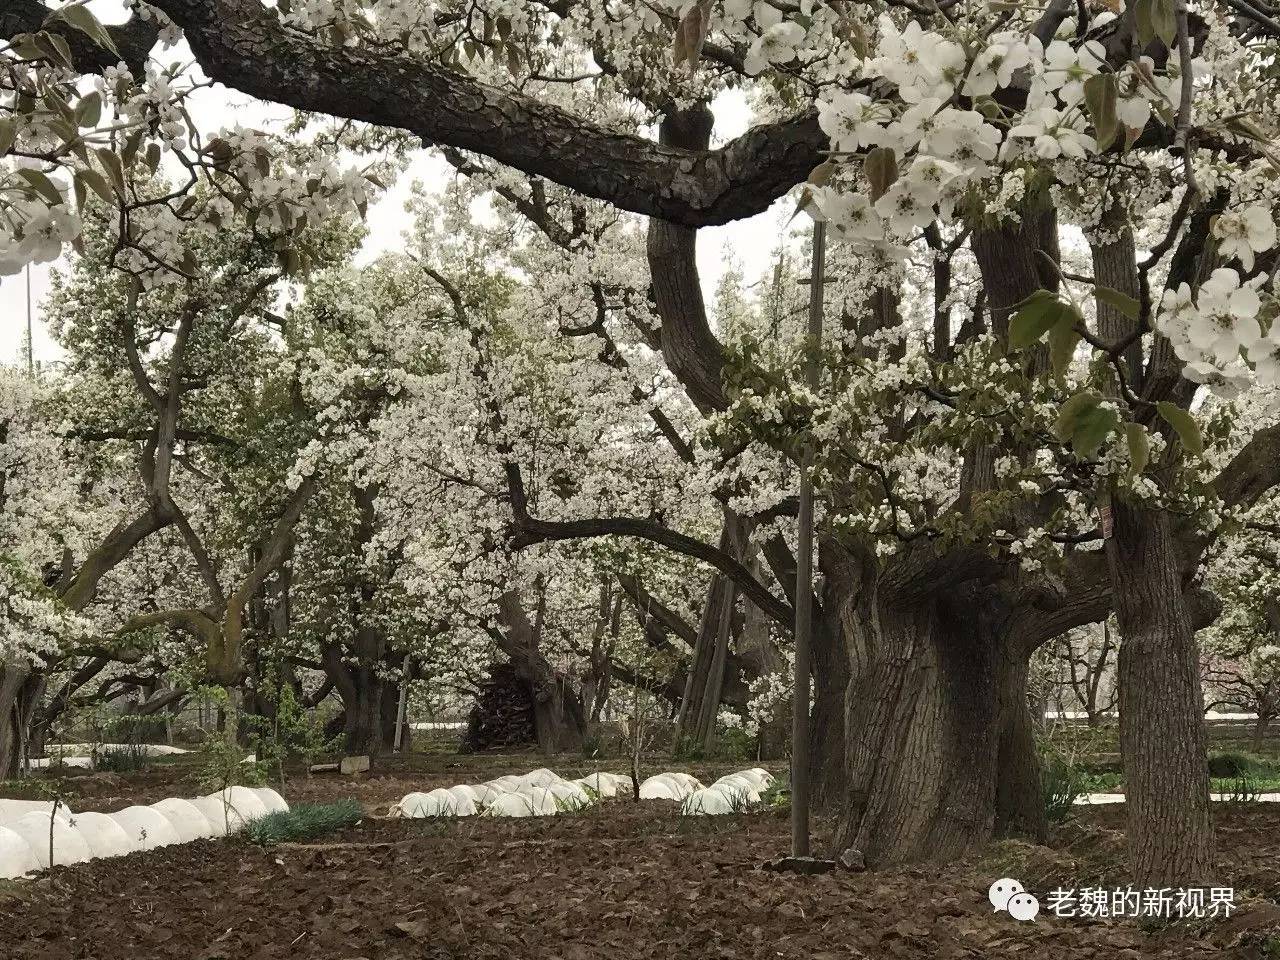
column 503, row 714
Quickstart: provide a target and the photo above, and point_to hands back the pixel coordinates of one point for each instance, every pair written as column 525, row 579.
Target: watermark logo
column 1009, row 894
column 1169, row 903
column 1181, row 903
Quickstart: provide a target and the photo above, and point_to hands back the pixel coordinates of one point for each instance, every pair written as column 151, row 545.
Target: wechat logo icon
column 1009, row 894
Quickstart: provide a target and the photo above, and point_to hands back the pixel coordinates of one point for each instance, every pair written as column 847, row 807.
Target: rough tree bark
column 12, row 678
column 559, row 720
column 938, row 735
column 1162, row 736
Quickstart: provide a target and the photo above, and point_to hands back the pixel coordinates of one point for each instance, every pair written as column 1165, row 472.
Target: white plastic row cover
column 78, row 837
column 669, row 786
column 81, row 755
column 538, row 793
column 729, row 794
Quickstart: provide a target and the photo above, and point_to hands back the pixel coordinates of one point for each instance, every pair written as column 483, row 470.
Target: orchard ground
column 620, row 879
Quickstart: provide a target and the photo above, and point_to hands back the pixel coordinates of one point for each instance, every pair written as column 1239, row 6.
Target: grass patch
column 304, row 822
column 1062, row 782
column 1260, row 784
column 124, row 758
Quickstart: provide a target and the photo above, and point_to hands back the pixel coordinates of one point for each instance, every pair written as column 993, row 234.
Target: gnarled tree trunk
column 923, row 730
column 559, row 720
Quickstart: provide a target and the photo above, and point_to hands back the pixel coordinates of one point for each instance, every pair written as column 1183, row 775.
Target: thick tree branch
column 134, row 39
column 650, row 608
column 689, row 346
column 243, row 45
column 530, row 530
column 1253, row 472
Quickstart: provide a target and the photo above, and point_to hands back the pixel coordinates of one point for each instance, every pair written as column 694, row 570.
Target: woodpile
column 503, row 714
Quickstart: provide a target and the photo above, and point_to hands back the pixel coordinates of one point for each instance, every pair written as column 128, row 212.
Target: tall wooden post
column 31, row 344
column 804, row 569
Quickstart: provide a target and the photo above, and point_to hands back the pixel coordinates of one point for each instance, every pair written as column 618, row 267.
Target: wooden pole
column 804, row 570
column 31, row 344
column 402, row 708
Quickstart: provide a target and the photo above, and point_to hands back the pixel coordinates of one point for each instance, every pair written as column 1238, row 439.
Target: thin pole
column 31, row 344
column 804, row 571
column 402, row 708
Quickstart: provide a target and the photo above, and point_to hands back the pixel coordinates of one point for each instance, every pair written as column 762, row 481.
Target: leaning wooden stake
column 804, row 571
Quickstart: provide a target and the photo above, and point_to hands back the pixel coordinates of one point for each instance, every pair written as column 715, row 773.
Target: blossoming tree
column 1054, row 230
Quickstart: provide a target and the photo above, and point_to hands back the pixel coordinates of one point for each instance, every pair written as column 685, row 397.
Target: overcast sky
column 750, row 241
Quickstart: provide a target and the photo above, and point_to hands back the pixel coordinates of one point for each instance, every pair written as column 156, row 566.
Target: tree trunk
column 760, row 656
column 1260, row 728
column 12, row 678
column 559, row 720
column 362, row 718
column 709, row 711
column 1162, row 736
column 698, row 682
column 936, row 717
column 829, row 660
column 1020, row 808
column 365, row 728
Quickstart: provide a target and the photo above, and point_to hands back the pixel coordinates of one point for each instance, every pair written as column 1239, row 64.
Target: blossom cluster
column 1219, row 327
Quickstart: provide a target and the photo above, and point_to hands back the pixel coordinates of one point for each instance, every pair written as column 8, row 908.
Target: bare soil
column 621, row 880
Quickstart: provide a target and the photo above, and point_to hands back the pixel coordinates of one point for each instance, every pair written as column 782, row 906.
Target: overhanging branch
column 530, row 530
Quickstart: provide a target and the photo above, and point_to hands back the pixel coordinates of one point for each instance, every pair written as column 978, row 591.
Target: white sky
column 750, row 241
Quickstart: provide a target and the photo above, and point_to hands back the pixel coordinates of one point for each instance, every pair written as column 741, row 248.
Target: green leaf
column 97, row 183
column 8, row 134
column 1069, row 416
column 132, row 144
column 56, row 103
column 1245, row 127
column 1142, row 15
column 67, row 133
column 1120, row 301
column 1184, row 424
column 1093, row 426
column 1063, row 340
column 79, row 17
column 41, row 185
column 1139, row 447
column 1036, row 316
column 89, row 109
column 26, row 47
column 881, row 168
column 1164, row 22
column 220, row 150
column 1100, row 94
column 820, row 176
column 113, row 167
column 54, row 48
